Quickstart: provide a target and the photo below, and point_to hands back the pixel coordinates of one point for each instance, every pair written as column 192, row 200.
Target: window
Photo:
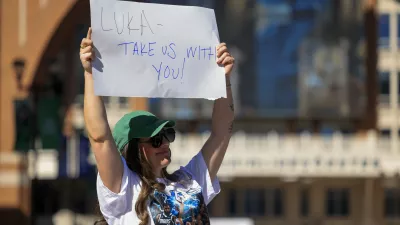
column 210, row 208
column 392, row 203
column 123, row 101
column 304, row 202
column 386, row 133
column 263, row 202
column 106, row 100
column 383, row 31
column 384, row 86
column 274, row 202
column 337, row 202
column 232, row 202
column 254, row 202
column 398, row 30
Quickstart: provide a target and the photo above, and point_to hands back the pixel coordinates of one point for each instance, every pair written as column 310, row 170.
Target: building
column 294, row 178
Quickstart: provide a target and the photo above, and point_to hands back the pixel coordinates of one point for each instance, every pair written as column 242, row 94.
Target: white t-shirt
column 181, row 202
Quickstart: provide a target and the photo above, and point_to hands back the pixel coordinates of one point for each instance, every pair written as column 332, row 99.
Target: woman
column 133, row 185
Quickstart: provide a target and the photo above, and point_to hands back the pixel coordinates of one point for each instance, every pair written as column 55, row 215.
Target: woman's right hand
column 86, row 52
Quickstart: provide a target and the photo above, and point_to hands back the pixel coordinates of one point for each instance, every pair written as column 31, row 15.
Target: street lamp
column 23, row 111
column 19, row 67
column 26, row 128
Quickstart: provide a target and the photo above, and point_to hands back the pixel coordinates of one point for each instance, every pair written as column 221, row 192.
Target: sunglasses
column 157, row 140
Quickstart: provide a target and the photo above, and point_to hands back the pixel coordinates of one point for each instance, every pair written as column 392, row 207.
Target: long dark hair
column 137, row 163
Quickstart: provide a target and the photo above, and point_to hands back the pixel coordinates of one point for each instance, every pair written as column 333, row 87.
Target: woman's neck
column 158, row 173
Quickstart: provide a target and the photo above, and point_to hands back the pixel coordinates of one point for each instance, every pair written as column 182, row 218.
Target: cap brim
column 159, row 125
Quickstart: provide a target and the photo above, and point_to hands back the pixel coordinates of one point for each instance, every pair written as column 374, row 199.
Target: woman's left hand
column 224, row 58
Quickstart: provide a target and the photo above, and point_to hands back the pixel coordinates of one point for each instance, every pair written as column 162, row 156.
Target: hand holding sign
column 224, row 58
column 86, row 52
column 155, row 50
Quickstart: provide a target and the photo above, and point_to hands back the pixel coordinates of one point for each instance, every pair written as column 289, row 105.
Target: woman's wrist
column 87, row 74
column 228, row 82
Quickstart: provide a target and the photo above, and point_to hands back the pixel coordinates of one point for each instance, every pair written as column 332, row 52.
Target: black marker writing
column 129, row 23
column 123, row 23
column 141, row 22
column 102, row 27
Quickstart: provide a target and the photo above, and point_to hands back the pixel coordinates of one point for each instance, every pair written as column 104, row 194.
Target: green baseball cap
column 137, row 124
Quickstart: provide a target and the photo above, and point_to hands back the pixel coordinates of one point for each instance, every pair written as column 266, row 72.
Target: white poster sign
column 155, row 50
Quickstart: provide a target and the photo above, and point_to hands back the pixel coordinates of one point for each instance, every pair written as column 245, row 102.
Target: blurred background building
column 316, row 88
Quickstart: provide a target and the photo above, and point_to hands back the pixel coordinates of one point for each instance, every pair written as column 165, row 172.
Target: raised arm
column 107, row 157
column 222, row 119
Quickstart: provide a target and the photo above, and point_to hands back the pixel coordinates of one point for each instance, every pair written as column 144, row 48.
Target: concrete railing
column 115, row 110
column 271, row 154
column 264, row 155
column 301, row 155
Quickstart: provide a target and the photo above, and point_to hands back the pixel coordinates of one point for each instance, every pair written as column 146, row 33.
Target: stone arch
column 78, row 13
column 50, row 29
column 47, row 29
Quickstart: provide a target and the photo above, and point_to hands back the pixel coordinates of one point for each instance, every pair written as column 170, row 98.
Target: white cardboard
column 155, row 50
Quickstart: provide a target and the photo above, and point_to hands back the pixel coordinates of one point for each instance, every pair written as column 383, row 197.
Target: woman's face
column 158, row 155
